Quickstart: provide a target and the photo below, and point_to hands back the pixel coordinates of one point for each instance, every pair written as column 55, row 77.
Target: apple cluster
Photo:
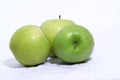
column 32, row 45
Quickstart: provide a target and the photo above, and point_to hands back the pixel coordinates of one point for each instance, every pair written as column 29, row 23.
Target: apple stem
column 59, row 16
column 75, row 44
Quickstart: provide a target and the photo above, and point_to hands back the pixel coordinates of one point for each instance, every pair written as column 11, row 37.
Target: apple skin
column 29, row 45
column 51, row 27
column 73, row 44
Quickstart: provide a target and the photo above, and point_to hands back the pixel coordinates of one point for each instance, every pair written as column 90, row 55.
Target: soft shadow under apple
column 60, row 62
column 13, row 63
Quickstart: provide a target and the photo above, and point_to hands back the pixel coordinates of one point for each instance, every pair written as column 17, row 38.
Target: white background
column 101, row 17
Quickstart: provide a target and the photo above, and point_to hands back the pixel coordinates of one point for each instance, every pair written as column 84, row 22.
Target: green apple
column 73, row 44
column 51, row 27
column 29, row 45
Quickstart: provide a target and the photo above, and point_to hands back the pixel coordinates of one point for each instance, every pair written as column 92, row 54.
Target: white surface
column 101, row 17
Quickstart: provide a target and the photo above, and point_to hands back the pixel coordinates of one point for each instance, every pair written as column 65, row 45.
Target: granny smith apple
column 51, row 27
column 29, row 45
column 73, row 44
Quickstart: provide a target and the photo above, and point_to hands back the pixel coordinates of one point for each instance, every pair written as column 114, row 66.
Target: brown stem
column 59, row 16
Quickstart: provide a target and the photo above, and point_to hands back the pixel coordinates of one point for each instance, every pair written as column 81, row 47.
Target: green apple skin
column 29, row 45
column 73, row 44
column 51, row 27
